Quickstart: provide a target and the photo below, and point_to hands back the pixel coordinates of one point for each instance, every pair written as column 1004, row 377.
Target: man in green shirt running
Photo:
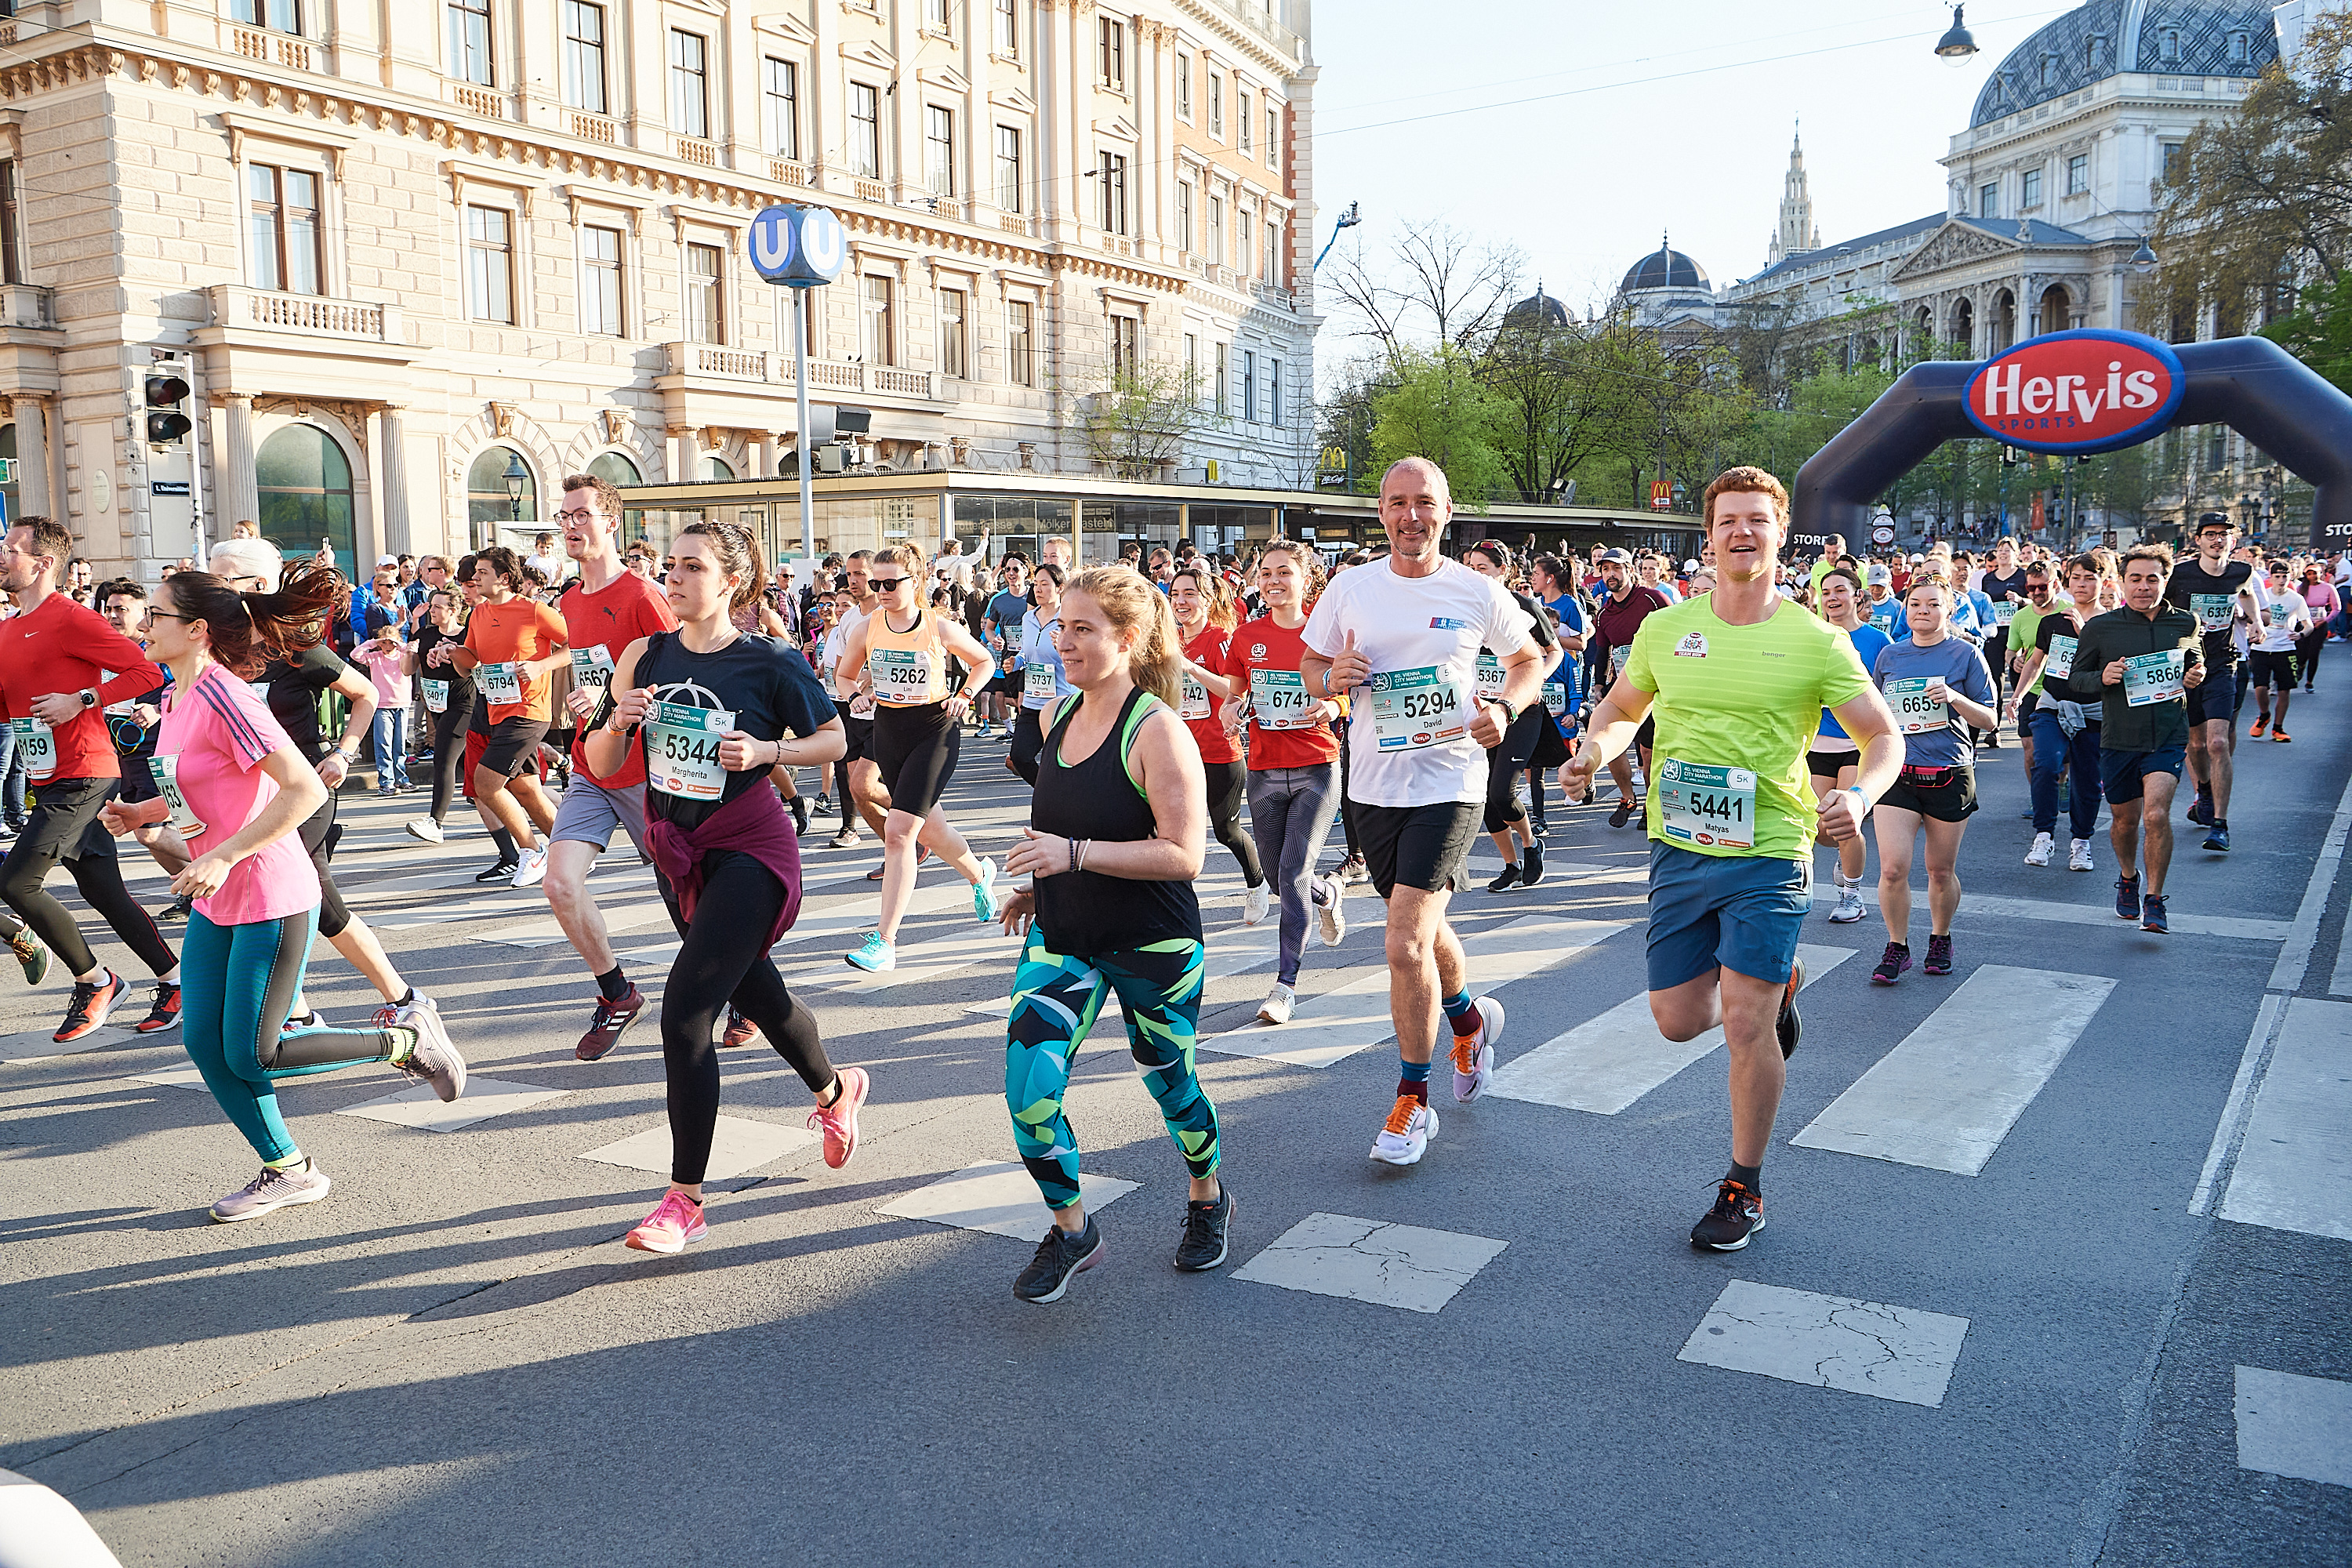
column 1736, row 681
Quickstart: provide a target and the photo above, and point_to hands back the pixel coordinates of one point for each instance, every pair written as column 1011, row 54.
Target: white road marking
column 417, row 1106
column 735, row 1147
column 1830, row 1342
column 999, row 1198
column 1605, row 1064
column 2183, row 922
column 2293, row 1426
column 2297, row 1160
column 1949, row 1093
column 1232, row 954
column 1399, row 1266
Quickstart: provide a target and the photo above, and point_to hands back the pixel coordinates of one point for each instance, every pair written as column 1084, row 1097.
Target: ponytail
column 1214, row 589
column 1140, row 610
column 245, row 631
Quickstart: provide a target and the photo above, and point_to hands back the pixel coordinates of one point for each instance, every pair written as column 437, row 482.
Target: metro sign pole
column 800, row 247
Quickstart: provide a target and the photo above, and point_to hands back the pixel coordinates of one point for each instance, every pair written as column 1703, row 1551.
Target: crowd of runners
column 1407, row 698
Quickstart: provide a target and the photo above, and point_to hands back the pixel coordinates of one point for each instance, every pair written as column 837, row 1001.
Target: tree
column 1561, row 400
column 1143, row 420
column 1438, row 286
column 1437, row 409
column 2319, row 331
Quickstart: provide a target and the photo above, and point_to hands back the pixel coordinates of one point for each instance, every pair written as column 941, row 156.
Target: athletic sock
column 613, row 984
column 1463, row 1014
column 1748, row 1176
column 1414, row 1079
column 295, row 1162
column 408, row 999
column 506, row 845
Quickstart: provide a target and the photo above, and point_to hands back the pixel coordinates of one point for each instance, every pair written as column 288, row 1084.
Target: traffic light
column 167, row 397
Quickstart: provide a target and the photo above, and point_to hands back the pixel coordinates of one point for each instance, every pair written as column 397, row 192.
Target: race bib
column 1555, row 698
column 1883, row 617
column 1417, row 708
column 437, row 697
column 2212, row 610
column 1707, row 807
column 682, row 750
column 1280, row 700
column 902, row 676
column 1915, row 713
column 166, row 771
column 2003, row 613
column 501, row 683
column 2154, row 678
column 1490, row 678
column 1192, row 702
column 592, row 672
column 2060, row 665
column 1617, row 657
column 1038, row 685
column 36, row 744
column 261, row 689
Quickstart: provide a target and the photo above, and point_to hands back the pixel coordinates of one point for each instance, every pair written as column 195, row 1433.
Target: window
column 305, row 492
column 689, row 85
column 1020, row 364
column 1008, row 169
column 1242, row 116
column 1220, row 393
column 1008, row 28
column 583, row 57
column 865, row 131
column 1217, row 106
column 1125, row 333
column 283, row 15
column 1274, row 393
column 1989, row 201
column 704, row 321
column 1191, row 364
column 1272, row 269
column 2050, row 70
column 11, row 253
column 1273, row 136
column 1183, row 214
column 951, row 341
column 1249, row 386
column 1110, row 53
column 939, row 151
column 599, row 281
column 489, row 265
column 2168, row 46
column 779, row 103
column 2171, row 164
column 939, row 16
column 1110, row 173
column 469, row 42
column 2239, row 46
column 1217, row 247
column 875, row 339
column 487, row 505
column 1242, row 241
column 2029, row 189
column 2078, row 175
column 1183, row 86
column 283, row 207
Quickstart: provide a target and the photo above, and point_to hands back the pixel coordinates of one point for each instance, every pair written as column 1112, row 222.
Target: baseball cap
column 1617, row 555
column 2214, row 520
column 1881, row 575
column 1691, row 566
column 388, row 560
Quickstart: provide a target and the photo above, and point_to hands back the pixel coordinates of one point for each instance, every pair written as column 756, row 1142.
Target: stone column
column 681, row 454
column 391, row 478
column 236, row 485
column 35, row 493
column 763, row 461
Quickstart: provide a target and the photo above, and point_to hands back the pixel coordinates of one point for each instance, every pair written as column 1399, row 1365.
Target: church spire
column 1798, row 231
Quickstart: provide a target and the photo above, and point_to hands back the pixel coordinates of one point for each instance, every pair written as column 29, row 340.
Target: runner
column 1001, row 619
column 858, row 778
column 1042, row 679
column 1941, row 691
column 1833, row 760
column 1732, row 724
column 1114, row 842
column 1203, row 608
column 53, row 659
column 133, row 725
column 2285, row 620
column 1507, row 819
column 606, row 609
column 448, row 697
column 234, row 791
column 2004, row 582
column 1292, row 759
column 718, row 710
column 918, row 734
column 2218, row 591
column 1622, row 610
column 512, row 645
column 2146, row 659
column 1402, row 634
column 2320, row 597
column 2065, row 723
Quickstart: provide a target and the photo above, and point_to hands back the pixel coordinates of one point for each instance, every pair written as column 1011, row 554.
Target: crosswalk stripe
column 1228, row 956
column 1948, row 1094
column 2185, row 922
column 1605, row 1064
column 2297, row 1158
column 1339, row 1023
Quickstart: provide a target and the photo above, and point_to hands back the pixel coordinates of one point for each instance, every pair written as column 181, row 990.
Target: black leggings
column 62, row 824
column 725, row 959
column 448, row 755
column 320, row 835
column 1503, row 765
column 1228, row 784
column 1029, row 744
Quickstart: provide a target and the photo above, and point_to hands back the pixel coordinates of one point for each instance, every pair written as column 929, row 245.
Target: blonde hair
column 1137, row 609
column 905, row 556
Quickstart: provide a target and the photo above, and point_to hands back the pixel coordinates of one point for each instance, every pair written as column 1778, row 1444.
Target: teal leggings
column 1054, row 1000
column 237, row 985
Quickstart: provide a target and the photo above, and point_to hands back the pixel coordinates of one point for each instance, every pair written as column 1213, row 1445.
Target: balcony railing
column 870, row 190
column 487, row 102
column 785, row 171
column 697, row 151
column 594, row 128
column 1017, row 222
column 716, row 362
column 1251, row 14
column 27, row 305
column 304, row 315
column 271, row 48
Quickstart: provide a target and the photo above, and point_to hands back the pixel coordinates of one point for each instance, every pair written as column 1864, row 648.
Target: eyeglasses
column 569, row 518
column 173, row 614
column 884, row 584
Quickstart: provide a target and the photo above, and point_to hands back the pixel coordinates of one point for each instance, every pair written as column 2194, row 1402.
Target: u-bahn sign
column 799, row 247
column 2083, row 392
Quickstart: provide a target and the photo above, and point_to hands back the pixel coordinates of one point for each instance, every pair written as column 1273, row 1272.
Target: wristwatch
column 90, row 696
column 1505, row 704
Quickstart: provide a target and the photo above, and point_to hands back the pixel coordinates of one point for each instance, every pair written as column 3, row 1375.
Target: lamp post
column 517, row 475
column 1958, row 45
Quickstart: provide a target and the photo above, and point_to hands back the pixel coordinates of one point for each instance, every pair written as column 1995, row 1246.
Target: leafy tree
column 2319, row 331
column 1144, row 419
column 1438, row 409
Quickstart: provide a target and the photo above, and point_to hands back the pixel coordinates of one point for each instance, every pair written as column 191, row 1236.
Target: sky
column 1648, row 116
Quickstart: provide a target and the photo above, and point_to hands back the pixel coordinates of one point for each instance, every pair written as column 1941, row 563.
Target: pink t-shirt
column 383, row 669
column 215, row 734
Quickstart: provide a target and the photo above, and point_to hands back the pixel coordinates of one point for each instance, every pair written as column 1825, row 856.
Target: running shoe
column 1275, row 1008
column 1542, row 829
column 163, row 1014
column 1850, row 906
column 2078, row 856
column 824, row 806
column 2281, row 735
column 2045, row 844
column 424, row 827
column 675, row 1220
column 92, row 1001
column 1789, row 1024
column 1623, row 809
column 2200, row 810
column 2127, row 897
column 839, row 1121
column 1061, row 1257
column 1257, row 903
column 848, row 838
column 1353, row 872
column 1891, row 965
column 1939, row 955
column 1205, row 1227
column 2261, row 724
column 985, row 905
column 2151, row 914
column 1737, row 1216
column 740, row 1031
column 2218, row 836
column 799, row 816
column 303, row 1184
column 177, row 910
column 1531, row 864
column 1473, row 1055
column 874, row 955
column 533, row 869
column 502, row 871
column 1507, row 879
column 1404, row 1137
column 30, row 956
column 612, row 1019
column 297, row 1022
column 1331, row 911
column 432, row 1060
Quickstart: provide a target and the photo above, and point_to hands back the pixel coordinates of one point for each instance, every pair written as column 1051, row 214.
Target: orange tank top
column 909, row 668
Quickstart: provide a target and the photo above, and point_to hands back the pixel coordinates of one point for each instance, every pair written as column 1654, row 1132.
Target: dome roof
column 1664, row 267
column 2105, row 38
column 1539, row 309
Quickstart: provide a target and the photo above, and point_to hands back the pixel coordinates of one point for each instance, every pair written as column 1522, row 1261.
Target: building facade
column 415, row 262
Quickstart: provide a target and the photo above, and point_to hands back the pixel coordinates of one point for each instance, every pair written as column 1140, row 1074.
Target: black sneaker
column 1060, row 1258
column 2201, row 811
column 1891, row 965
column 1624, row 809
column 1939, row 955
column 1789, row 1027
column 1508, row 878
column 1203, row 1246
column 1531, row 864
column 1738, row 1214
column 164, row 1014
column 1542, row 829
column 177, row 910
column 2126, row 897
column 501, row 872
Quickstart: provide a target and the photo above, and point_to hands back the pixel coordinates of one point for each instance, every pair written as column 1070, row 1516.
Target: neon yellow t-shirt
column 1735, row 708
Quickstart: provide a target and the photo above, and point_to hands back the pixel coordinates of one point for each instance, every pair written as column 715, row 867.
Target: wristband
column 1855, row 791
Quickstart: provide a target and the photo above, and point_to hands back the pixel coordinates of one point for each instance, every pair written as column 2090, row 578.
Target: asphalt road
column 1507, row 1355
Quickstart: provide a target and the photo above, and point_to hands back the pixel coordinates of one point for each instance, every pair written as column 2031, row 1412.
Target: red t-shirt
column 618, row 614
column 62, row 646
column 1260, row 644
column 1208, row 651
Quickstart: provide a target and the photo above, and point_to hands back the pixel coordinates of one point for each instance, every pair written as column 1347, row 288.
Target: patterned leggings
column 1054, row 1000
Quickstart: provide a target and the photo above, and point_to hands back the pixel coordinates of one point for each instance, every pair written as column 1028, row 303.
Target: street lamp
column 2143, row 260
column 517, row 475
column 1955, row 48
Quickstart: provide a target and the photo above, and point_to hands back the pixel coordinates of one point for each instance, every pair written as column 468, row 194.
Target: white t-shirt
column 1432, row 627
column 2289, row 618
column 843, row 684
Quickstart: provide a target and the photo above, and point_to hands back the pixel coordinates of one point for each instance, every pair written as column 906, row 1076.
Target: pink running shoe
column 675, row 1220
column 839, row 1119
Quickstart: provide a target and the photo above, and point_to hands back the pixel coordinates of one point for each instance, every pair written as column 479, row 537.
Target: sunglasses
column 884, row 584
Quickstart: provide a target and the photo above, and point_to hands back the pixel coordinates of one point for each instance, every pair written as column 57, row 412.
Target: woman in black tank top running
column 1118, row 833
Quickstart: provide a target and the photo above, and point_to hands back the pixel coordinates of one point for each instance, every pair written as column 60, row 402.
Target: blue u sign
column 798, row 246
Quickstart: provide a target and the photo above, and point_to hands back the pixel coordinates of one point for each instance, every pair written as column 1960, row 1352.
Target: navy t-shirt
column 765, row 683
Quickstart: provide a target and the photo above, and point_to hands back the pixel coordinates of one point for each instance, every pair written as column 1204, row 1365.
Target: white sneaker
column 1257, row 903
column 1329, row 911
column 533, row 869
column 2079, row 857
column 424, row 827
column 1275, row 1009
column 1406, row 1136
column 2040, row 854
column 1849, row 905
column 1478, row 1053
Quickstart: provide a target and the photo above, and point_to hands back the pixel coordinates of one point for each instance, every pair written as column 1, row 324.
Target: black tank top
column 1082, row 913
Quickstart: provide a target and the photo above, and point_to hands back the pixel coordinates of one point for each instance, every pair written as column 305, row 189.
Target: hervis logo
column 1693, row 645
column 2086, row 391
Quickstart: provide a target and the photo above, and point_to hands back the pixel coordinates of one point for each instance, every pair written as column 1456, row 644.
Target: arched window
column 614, row 468
column 305, row 485
column 489, row 505
column 717, row 468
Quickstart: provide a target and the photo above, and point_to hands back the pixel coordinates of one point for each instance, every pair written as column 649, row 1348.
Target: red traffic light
column 164, row 428
column 165, row 391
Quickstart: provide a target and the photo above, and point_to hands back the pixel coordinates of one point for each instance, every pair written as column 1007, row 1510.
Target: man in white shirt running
column 1402, row 635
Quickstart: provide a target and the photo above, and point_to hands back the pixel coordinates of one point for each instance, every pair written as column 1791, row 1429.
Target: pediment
column 1955, row 244
column 946, row 77
column 1120, row 129
column 785, row 24
column 1012, row 99
column 866, row 51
